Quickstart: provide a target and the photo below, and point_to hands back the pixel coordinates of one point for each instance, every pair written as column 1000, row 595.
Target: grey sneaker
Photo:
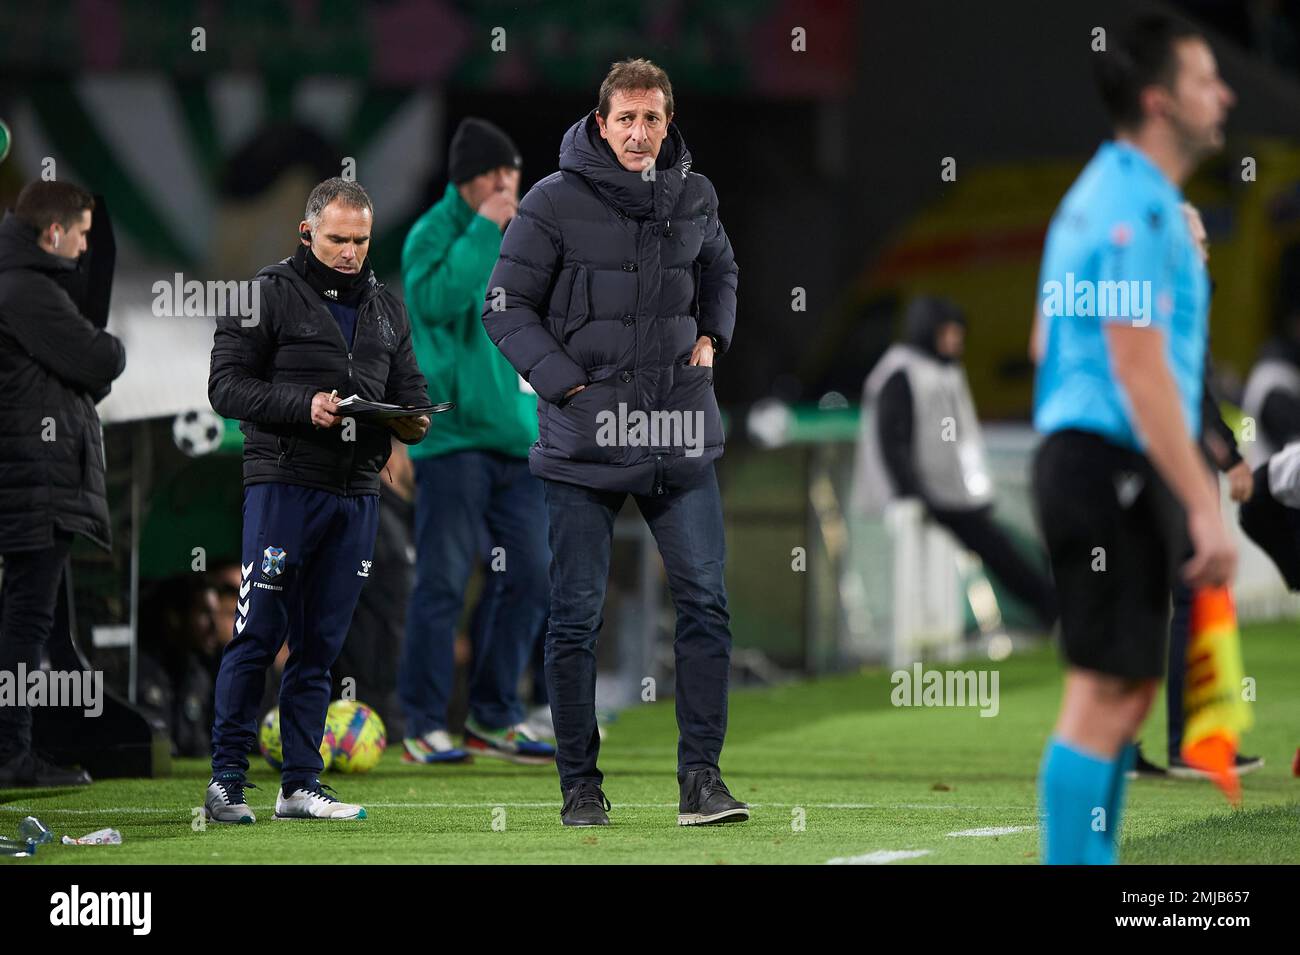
column 225, row 799
column 313, row 802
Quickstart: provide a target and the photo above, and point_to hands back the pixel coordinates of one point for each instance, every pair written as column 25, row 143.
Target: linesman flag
column 1212, row 700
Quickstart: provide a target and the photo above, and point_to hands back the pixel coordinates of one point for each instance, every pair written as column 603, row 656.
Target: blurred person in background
column 921, row 439
column 55, row 366
column 1271, row 518
column 1219, row 448
column 618, row 287
column 179, row 653
column 1271, row 400
column 226, row 579
column 472, row 471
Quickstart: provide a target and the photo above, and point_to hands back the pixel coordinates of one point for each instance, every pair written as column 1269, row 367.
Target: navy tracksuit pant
column 306, row 555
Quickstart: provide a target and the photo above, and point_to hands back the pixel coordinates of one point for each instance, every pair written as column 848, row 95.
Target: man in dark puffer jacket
column 323, row 329
column 615, row 287
column 54, row 366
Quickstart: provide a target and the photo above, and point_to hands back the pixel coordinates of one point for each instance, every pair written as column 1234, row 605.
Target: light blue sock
column 1074, row 790
column 1118, row 786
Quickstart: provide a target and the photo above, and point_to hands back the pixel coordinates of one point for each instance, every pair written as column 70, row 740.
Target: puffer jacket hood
column 585, row 152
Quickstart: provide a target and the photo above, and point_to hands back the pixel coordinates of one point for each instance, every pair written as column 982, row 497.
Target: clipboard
column 363, row 410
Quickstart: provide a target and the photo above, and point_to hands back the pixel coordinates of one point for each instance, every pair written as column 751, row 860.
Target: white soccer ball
column 198, row 432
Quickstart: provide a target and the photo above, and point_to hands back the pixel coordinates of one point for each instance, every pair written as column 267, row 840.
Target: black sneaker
column 1179, row 769
column 29, row 771
column 706, row 800
column 585, row 805
column 1143, row 768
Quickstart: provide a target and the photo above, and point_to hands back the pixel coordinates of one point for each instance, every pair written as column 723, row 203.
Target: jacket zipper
column 356, row 337
column 636, row 309
column 374, row 292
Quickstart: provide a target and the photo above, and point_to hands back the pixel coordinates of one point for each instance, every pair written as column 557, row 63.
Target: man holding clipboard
column 320, row 321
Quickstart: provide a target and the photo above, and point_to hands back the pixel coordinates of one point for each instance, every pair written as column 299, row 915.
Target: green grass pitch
column 862, row 776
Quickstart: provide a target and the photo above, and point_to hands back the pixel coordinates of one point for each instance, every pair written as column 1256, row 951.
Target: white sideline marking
column 143, row 810
column 879, row 857
column 994, row 831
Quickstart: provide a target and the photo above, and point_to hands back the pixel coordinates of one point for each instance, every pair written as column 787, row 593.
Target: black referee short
column 1116, row 537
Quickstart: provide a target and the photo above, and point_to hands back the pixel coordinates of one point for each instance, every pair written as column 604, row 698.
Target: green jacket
column 446, row 262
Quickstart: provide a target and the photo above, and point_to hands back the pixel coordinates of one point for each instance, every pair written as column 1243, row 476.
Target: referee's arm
column 1138, row 357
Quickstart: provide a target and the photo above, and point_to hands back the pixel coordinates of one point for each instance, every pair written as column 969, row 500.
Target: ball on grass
column 359, row 736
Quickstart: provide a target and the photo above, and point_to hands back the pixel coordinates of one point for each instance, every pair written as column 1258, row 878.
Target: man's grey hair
column 348, row 191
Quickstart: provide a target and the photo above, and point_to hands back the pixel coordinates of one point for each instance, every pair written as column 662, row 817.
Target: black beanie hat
column 479, row 146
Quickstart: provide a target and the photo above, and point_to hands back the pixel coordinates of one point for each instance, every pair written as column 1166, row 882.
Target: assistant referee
column 1119, row 483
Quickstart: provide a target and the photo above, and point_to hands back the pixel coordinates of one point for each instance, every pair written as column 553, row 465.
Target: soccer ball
column 197, row 432
column 268, row 740
column 359, row 736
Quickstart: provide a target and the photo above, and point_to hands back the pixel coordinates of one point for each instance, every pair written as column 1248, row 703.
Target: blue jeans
column 687, row 526
column 306, row 555
column 456, row 495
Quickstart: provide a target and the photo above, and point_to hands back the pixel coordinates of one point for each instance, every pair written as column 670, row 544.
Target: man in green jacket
column 471, row 472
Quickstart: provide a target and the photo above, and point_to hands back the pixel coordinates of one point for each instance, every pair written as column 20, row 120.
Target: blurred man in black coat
column 55, row 364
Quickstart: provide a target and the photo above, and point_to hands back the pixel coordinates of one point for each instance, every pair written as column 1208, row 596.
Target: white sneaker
column 539, row 724
column 225, row 799
column 314, row 803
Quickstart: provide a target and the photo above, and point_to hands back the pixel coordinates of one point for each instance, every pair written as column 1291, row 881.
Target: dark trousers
column 687, row 526
column 1180, row 630
column 978, row 532
column 306, row 555
column 456, row 495
column 27, row 600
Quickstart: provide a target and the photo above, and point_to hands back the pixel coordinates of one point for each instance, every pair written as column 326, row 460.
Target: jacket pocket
column 86, row 456
column 585, row 428
column 701, row 420
column 286, row 446
column 579, row 311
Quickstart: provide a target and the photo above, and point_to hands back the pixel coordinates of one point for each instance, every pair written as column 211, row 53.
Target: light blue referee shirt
column 1118, row 250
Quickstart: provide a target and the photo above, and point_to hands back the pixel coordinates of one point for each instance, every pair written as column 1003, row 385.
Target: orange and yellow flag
column 1216, row 714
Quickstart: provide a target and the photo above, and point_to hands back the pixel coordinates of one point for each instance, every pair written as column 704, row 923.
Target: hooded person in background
column 921, row 439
